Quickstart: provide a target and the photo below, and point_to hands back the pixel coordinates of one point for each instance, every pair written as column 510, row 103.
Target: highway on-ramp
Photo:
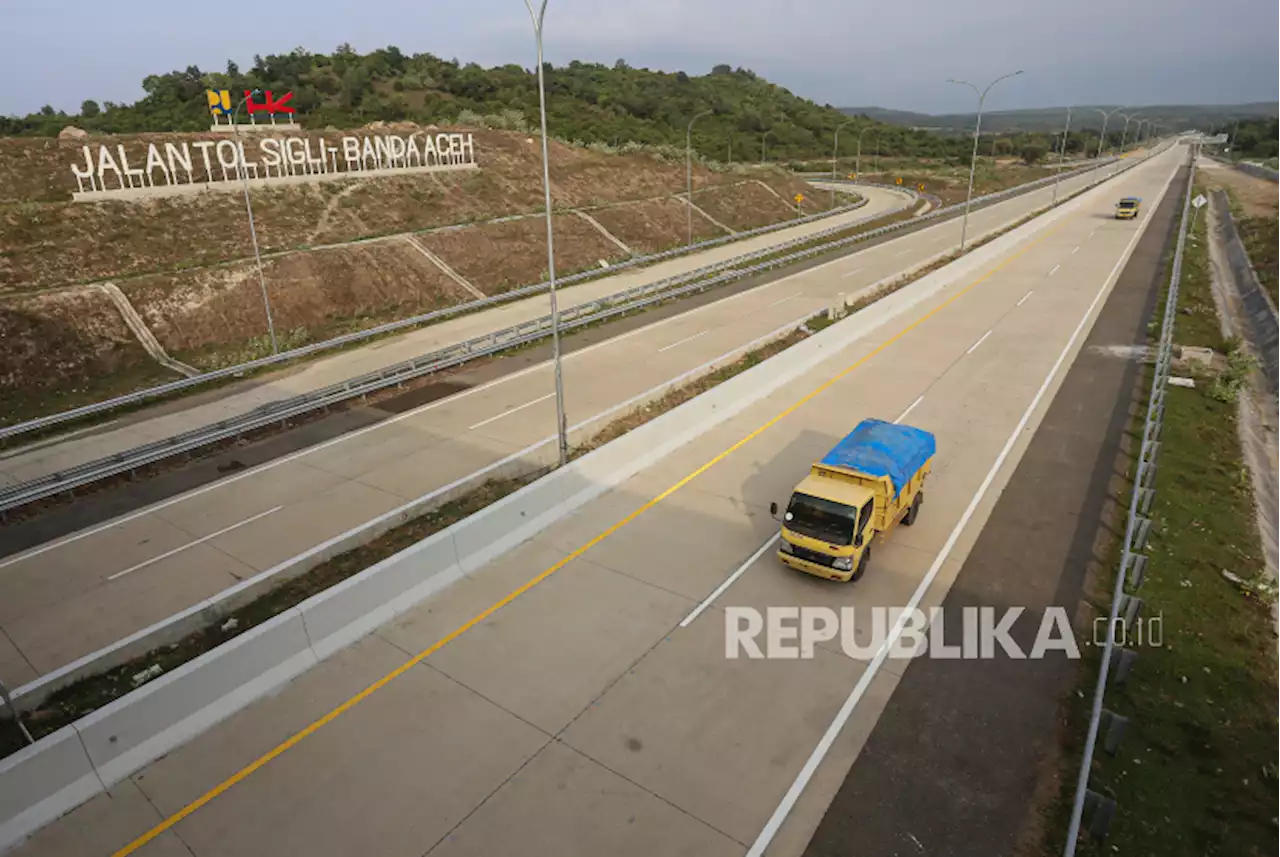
column 72, row 596
column 597, row 713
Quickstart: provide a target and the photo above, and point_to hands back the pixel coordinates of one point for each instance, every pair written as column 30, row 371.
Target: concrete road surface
column 166, row 420
column 70, row 597
column 597, row 713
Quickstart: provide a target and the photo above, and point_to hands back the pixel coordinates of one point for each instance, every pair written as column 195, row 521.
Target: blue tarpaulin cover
column 877, row 448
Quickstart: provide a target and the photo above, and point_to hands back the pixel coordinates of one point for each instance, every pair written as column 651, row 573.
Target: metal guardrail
column 162, row 390
column 524, row 333
column 1133, row 563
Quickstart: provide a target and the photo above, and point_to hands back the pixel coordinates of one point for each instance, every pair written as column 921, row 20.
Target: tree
column 353, row 85
column 89, row 108
column 233, row 70
column 722, row 69
column 1032, row 153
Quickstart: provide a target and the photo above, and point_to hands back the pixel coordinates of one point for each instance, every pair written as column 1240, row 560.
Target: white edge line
column 974, row 347
column 683, row 341
column 902, row 416
column 164, row 504
column 198, row 541
column 510, row 411
column 864, row 681
column 1023, row 299
column 728, row 581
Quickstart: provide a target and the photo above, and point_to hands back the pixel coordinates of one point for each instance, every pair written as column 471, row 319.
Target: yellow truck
column 871, row 481
column 1127, row 208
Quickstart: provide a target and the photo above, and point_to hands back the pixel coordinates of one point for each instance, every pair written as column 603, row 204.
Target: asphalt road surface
column 597, row 713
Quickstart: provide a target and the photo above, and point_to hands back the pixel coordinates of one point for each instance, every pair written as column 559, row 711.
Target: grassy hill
column 587, row 102
column 1202, row 116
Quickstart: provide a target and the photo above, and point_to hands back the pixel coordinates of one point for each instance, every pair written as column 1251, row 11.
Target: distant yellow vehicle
column 1127, row 208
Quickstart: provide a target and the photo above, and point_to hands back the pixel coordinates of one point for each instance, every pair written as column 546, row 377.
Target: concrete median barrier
column 140, row 727
column 70, row 766
column 43, row 781
column 355, row 607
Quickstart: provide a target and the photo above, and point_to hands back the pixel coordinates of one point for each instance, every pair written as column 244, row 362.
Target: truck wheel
column 862, row 566
column 910, row 518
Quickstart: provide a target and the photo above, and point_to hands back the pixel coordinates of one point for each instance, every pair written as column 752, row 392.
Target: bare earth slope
column 186, row 263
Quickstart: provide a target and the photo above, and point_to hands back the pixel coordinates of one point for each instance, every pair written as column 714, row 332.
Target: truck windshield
column 817, row 518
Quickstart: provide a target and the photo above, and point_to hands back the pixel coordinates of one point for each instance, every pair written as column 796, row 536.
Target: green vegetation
column 1254, row 139
column 1196, row 773
column 1202, row 116
column 587, row 102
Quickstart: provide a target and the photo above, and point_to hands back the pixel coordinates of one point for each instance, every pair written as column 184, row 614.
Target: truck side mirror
column 857, row 540
column 773, row 511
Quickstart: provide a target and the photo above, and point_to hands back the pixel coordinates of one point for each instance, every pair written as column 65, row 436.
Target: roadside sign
column 899, row 179
column 852, row 176
column 799, row 198
column 1199, row 200
column 920, row 186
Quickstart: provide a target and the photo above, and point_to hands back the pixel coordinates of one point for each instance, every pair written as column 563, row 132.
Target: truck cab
column 1127, row 208
column 867, row 484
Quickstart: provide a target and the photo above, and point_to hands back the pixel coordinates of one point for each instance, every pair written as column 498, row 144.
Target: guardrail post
column 1122, row 661
column 1136, row 569
column 1100, row 810
column 1113, row 727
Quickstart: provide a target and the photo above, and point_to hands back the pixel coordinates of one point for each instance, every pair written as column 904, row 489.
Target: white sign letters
column 109, row 172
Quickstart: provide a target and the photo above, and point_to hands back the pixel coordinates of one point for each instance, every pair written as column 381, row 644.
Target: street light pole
column 857, row 160
column 977, row 129
column 1102, row 138
column 253, row 230
column 688, row 170
column 562, row 434
column 835, row 153
column 1062, row 155
column 1125, row 135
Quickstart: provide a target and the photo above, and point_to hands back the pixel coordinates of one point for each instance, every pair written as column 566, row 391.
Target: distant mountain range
column 1199, row 116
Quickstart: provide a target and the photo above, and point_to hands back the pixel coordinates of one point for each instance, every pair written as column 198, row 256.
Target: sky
column 895, row 54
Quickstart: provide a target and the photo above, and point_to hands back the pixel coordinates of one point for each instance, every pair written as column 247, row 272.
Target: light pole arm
column 977, row 131
column 536, row 18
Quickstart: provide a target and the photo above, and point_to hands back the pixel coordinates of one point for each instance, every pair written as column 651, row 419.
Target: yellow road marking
column 298, row 737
